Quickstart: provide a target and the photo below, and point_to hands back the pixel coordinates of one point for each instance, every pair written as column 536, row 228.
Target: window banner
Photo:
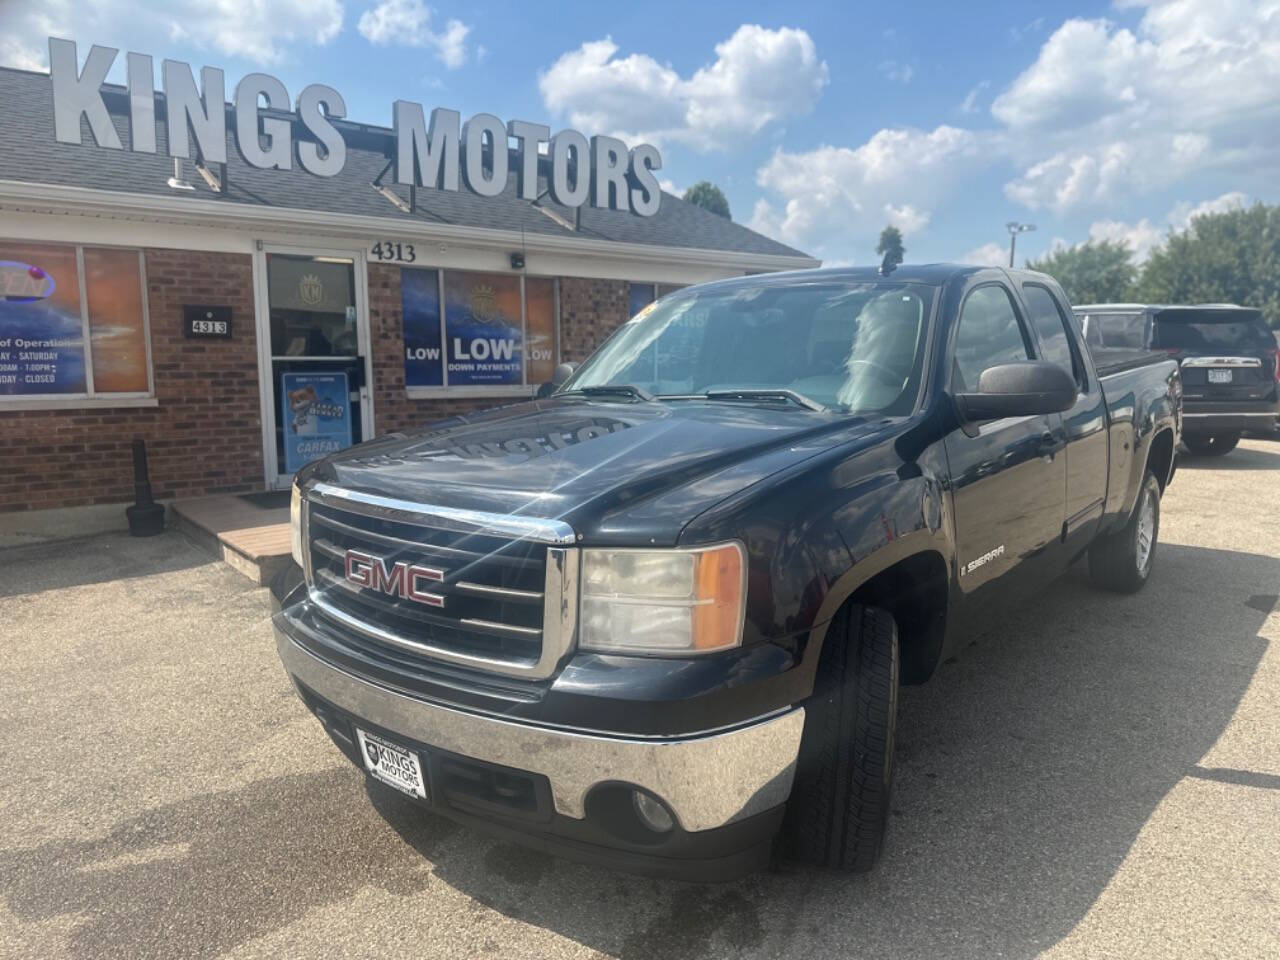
column 420, row 308
column 483, row 329
column 317, row 416
column 41, row 330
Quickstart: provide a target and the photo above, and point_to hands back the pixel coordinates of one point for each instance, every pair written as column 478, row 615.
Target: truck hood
column 614, row 471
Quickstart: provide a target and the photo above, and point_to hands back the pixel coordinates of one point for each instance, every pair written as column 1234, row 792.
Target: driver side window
column 989, row 335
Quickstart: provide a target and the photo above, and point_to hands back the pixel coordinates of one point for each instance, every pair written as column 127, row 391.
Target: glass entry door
column 318, row 368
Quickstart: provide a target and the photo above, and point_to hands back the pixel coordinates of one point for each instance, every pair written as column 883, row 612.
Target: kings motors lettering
column 440, row 152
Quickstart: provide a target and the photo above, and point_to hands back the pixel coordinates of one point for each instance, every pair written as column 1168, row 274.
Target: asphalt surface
column 1096, row 776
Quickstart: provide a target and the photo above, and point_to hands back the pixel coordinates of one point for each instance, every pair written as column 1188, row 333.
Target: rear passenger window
column 1051, row 327
column 1117, row 329
column 989, row 335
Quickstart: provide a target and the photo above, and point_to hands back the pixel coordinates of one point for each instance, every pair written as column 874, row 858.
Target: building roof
column 29, row 153
column 929, row 274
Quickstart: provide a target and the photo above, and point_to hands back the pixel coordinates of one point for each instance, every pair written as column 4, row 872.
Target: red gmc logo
column 400, row 580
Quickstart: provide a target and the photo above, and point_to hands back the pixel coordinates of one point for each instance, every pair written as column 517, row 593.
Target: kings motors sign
column 441, row 152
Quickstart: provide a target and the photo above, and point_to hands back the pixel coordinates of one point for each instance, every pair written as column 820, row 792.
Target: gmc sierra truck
column 659, row 618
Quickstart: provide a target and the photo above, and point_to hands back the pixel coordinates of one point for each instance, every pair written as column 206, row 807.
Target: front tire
column 1122, row 561
column 839, row 804
column 1211, row 444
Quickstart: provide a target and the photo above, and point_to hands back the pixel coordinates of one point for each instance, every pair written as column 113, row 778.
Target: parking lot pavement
column 1096, row 776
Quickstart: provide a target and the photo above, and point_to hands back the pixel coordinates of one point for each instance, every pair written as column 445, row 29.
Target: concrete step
column 250, row 533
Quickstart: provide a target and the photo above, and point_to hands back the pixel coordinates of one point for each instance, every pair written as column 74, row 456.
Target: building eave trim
column 85, row 201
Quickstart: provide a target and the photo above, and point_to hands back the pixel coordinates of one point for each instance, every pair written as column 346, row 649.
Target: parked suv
column 1230, row 363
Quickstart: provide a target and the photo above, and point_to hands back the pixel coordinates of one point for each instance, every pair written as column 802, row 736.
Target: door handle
column 1050, row 444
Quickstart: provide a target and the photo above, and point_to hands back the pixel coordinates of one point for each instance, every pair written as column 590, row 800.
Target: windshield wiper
column 613, row 390
column 766, row 393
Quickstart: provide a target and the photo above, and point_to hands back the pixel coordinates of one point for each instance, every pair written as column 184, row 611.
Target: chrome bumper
column 707, row 781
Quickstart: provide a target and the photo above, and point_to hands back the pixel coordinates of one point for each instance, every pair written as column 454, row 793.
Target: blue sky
column 821, row 122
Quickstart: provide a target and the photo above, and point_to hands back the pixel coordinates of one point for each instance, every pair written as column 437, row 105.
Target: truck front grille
column 485, row 590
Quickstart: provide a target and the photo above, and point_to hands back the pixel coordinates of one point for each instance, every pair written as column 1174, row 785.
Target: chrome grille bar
column 445, row 518
column 527, row 650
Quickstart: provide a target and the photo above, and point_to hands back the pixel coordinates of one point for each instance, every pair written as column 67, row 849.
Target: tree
column 1228, row 257
column 890, row 247
column 708, row 196
column 1097, row 271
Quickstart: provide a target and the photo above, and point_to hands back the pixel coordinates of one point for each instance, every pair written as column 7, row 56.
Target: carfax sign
column 317, row 416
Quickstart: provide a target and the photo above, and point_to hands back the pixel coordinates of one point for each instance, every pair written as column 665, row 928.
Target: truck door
column 1085, row 424
column 1008, row 479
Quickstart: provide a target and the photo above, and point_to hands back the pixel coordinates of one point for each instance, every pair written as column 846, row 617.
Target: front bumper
column 726, row 789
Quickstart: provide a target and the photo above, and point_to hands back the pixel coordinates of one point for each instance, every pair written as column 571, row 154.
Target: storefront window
column 643, row 294
column 540, row 326
column 55, row 345
column 116, row 335
column 420, row 303
column 477, row 330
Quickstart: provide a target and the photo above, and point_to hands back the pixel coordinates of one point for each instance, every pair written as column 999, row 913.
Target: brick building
column 199, row 307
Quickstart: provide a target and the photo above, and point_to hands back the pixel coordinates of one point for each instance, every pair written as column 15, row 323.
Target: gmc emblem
column 400, row 580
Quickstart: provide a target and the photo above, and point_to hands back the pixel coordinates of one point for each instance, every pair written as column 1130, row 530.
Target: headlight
column 662, row 602
column 295, row 524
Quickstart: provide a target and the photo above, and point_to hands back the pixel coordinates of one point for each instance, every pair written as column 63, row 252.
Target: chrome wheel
column 1146, row 530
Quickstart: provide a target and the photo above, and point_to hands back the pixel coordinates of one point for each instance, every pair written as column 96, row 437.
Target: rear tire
column 1211, row 444
column 1122, row 561
column 839, row 803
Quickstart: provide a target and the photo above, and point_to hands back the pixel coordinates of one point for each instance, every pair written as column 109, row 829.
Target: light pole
column 1015, row 228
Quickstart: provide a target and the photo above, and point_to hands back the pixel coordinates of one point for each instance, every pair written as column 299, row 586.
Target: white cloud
column 987, row 255
column 1105, row 111
column 970, row 102
column 1143, row 236
column 669, row 186
column 831, row 195
column 759, row 76
column 1180, row 217
column 1140, row 237
column 1019, row 33
column 407, row 23
column 906, row 218
column 260, row 31
column 1076, row 178
column 898, row 72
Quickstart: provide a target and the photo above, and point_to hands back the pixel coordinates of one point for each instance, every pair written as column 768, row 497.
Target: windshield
column 854, row 347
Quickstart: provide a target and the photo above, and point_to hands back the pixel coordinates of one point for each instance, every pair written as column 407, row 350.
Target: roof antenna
column 888, row 264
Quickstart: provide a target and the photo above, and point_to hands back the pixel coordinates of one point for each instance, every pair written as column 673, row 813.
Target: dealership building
column 280, row 282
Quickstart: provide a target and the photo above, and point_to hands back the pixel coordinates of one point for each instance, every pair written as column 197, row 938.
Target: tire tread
column 839, row 804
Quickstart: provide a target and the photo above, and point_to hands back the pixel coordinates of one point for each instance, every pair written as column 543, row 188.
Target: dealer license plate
column 393, row 764
column 1219, row 376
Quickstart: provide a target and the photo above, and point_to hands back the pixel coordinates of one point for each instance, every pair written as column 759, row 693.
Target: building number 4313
column 396, row 252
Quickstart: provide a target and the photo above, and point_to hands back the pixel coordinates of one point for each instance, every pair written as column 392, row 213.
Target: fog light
column 652, row 812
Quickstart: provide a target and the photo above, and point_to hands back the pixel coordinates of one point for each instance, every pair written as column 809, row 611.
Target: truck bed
column 1110, row 360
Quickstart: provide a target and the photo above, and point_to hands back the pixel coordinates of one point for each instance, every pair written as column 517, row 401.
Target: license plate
column 394, row 765
column 1219, row 376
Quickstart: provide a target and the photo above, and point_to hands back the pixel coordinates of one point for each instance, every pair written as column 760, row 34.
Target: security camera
column 517, row 261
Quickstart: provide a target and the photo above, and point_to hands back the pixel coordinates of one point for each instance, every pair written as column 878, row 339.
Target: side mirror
column 1026, row 389
column 561, row 373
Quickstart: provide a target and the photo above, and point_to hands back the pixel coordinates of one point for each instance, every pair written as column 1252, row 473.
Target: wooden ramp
column 249, row 532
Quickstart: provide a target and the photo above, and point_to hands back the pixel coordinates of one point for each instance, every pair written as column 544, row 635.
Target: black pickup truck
column 1230, row 363
column 659, row 619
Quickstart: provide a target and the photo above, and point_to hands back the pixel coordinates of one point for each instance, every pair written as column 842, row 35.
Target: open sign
column 23, row 283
